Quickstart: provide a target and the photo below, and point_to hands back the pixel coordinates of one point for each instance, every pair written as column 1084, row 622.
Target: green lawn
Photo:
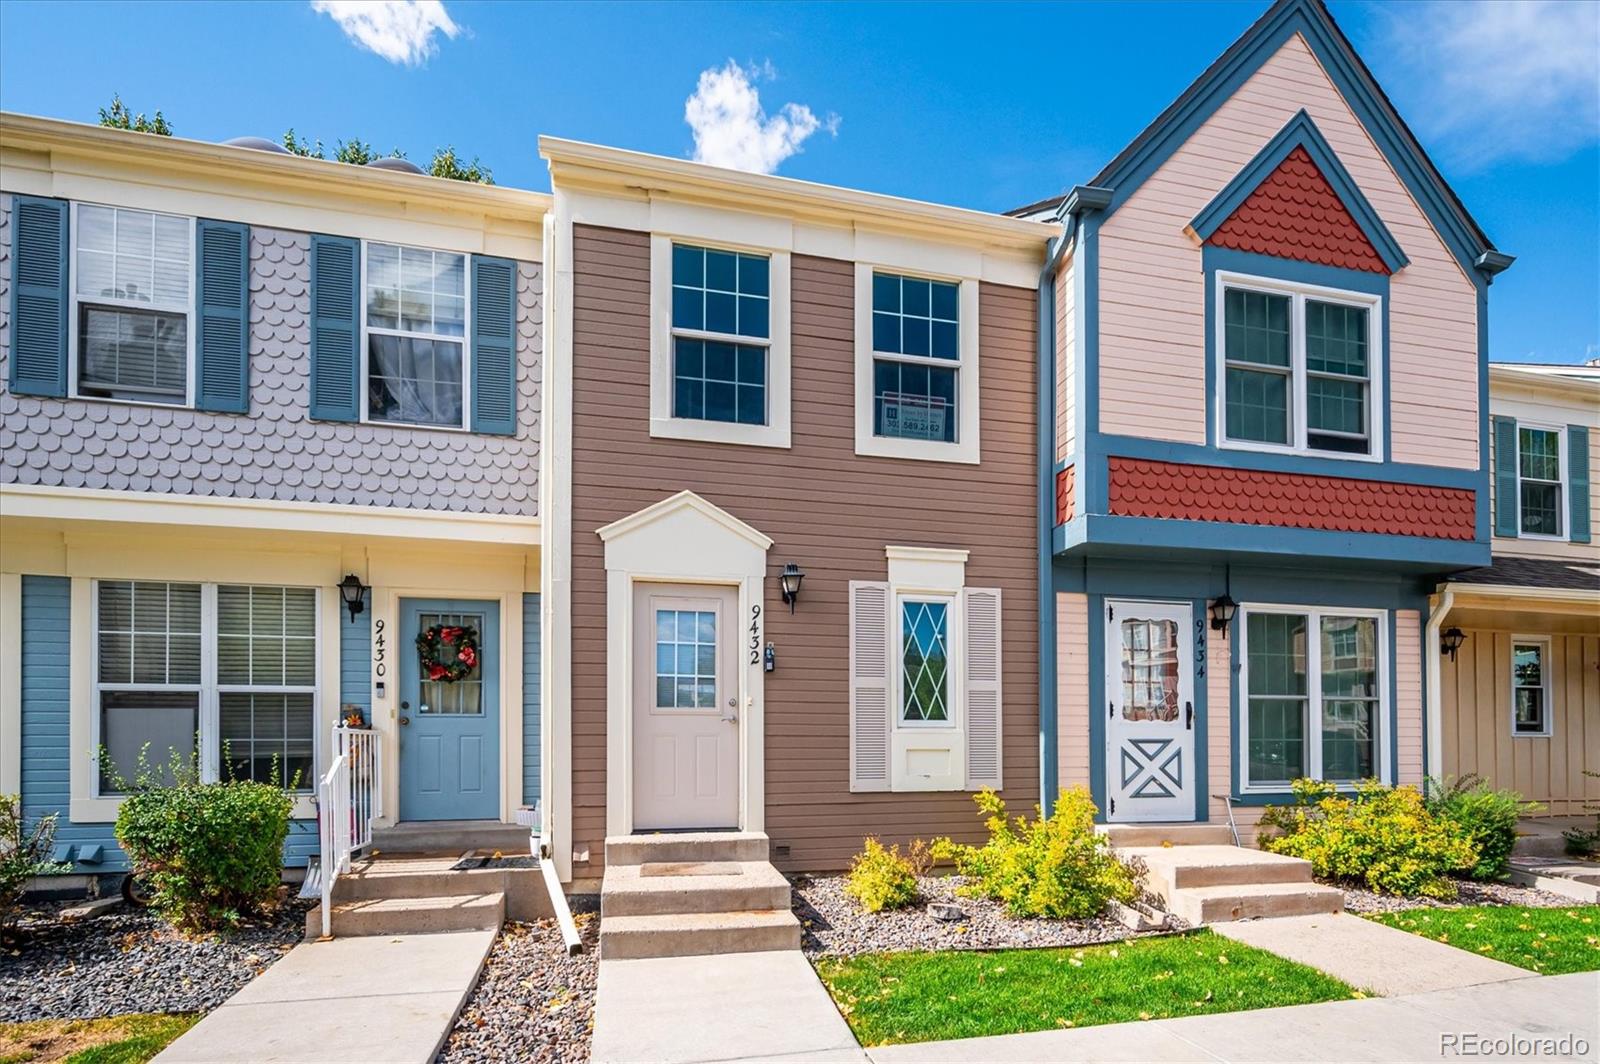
column 1547, row 941
column 923, row 997
column 118, row 1040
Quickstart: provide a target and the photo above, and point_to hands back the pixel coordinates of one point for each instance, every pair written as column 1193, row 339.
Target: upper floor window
column 721, row 325
column 1299, row 368
column 131, row 304
column 1539, row 480
column 916, row 366
column 416, row 325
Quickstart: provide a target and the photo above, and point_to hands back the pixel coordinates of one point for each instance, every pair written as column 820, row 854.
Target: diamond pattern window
column 924, row 661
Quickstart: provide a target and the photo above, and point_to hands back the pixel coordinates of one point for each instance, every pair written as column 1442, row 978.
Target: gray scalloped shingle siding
column 276, row 451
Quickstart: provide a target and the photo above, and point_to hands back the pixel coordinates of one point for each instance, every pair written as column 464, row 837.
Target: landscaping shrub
column 24, row 853
column 1487, row 816
column 210, row 853
column 885, row 878
column 1049, row 866
column 1382, row 837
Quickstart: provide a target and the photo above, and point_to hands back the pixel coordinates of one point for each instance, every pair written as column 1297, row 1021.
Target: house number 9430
column 379, row 646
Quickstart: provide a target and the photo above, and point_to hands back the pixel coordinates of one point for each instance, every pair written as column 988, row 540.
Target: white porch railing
column 349, row 799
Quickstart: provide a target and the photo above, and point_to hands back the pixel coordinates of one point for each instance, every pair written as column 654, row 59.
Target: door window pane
column 464, row 697
column 1149, row 669
column 1277, row 697
column 924, row 661
column 686, row 659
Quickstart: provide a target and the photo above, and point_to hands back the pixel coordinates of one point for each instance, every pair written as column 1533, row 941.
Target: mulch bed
column 533, row 1002
column 130, row 961
column 1468, row 892
column 833, row 923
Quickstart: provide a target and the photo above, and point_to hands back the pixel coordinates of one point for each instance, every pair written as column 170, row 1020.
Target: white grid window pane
column 686, row 659
column 148, row 633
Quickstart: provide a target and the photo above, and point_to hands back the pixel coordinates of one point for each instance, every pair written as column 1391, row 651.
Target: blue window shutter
column 494, row 354
column 1578, row 483
column 335, row 328
column 222, row 338
column 38, row 296
column 1506, row 503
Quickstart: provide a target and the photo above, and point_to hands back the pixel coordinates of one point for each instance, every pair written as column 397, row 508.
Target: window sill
column 149, row 404
column 720, row 432
column 917, row 450
column 1295, row 452
column 104, row 810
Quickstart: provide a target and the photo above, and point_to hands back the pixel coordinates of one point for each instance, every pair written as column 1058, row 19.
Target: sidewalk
column 1414, row 1027
column 384, row 998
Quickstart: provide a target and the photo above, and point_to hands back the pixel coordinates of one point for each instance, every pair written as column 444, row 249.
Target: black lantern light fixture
column 354, row 592
column 1222, row 611
column 789, row 582
column 1450, row 641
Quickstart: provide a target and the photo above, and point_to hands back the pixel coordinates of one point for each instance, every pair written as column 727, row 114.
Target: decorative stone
column 946, row 912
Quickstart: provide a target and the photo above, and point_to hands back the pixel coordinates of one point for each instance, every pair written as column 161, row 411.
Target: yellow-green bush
column 1381, row 837
column 885, row 878
column 1049, row 866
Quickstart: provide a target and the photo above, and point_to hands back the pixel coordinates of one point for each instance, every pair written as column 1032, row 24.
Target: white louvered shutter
column 869, row 686
column 982, row 605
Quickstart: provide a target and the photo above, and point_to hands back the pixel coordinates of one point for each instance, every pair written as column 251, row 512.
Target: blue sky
column 984, row 106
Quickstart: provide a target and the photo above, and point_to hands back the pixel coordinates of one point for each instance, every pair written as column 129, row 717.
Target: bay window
column 1314, row 691
column 218, row 678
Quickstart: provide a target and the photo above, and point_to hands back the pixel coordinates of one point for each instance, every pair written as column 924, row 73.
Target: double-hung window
column 916, row 366
column 219, row 678
column 1541, row 462
column 1530, row 686
column 131, row 304
column 1299, row 368
column 415, row 326
column 1315, row 693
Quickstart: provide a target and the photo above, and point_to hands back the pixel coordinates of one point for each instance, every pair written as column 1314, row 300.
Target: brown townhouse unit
column 794, row 454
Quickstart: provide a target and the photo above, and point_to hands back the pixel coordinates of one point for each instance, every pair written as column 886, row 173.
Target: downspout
column 1436, row 616
column 1048, row 776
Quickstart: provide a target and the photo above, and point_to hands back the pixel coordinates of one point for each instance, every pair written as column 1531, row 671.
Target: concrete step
column 452, row 838
column 412, row 916
column 685, row 847
column 1166, row 834
column 698, row 934
column 1180, row 867
column 660, row 888
column 1251, row 901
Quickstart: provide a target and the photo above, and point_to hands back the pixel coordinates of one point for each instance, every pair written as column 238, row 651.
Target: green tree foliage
column 24, row 854
column 306, row 149
column 447, row 164
column 117, row 116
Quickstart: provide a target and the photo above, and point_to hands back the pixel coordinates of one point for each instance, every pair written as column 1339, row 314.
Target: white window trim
column 1377, row 401
column 1543, row 642
column 209, row 747
column 663, row 425
column 1314, row 616
column 465, row 340
column 966, row 446
column 1562, row 506
column 73, row 301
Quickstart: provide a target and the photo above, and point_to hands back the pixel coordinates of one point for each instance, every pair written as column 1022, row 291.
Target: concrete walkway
column 732, row 1006
column 385, row 998
column 1371, row 956
column 1413, row 1027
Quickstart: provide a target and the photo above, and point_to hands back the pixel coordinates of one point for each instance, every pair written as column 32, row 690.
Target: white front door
column 685, row 707
column 1150, row 711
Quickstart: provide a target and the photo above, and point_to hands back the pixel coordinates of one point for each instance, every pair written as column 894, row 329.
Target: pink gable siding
column 1066, row 355
column 1152, row 317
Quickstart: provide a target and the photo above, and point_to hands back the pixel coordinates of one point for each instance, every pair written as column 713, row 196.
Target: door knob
column 405, row 720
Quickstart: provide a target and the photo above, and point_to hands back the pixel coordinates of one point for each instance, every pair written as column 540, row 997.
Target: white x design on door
column 1149, row 711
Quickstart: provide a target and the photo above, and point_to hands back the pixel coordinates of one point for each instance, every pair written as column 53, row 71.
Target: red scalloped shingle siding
column 1289, row 500
column 1064, row 481
column 1295, row 214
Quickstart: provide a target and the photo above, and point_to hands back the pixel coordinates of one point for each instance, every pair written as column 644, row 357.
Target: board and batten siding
column 1072, row 689
column 1476, row 709
column 826, row 508
column 1152, row 288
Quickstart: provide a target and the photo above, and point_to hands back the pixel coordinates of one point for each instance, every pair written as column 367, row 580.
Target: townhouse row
column 688, row 498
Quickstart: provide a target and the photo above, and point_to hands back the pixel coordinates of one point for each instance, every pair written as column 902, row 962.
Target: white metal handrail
column 349, row 799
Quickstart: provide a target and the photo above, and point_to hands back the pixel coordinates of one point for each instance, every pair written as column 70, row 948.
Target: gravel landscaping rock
column 129, row 960
column 533, row 1002
column 1469, row 892
column 833, row 923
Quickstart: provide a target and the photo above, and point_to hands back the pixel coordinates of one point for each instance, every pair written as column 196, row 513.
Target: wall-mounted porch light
column 1222, row 611
column 1450, row 641
column 789, row 583
column 353, row 591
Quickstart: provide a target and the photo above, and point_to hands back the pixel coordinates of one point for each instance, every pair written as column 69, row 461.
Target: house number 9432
column 755, row 634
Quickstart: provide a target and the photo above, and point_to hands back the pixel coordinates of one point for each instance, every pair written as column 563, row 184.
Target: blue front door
column 450, row 731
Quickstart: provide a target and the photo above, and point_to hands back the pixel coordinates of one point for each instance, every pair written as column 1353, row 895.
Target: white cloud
column 731, row 129
column 1498, row 79
column 400, row 31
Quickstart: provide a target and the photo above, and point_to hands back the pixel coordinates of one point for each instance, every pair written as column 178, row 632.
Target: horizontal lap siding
column 1066, row 361
column 1072, row 689
column 825, row 508
column 1476, row 710
column 1152, row 313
